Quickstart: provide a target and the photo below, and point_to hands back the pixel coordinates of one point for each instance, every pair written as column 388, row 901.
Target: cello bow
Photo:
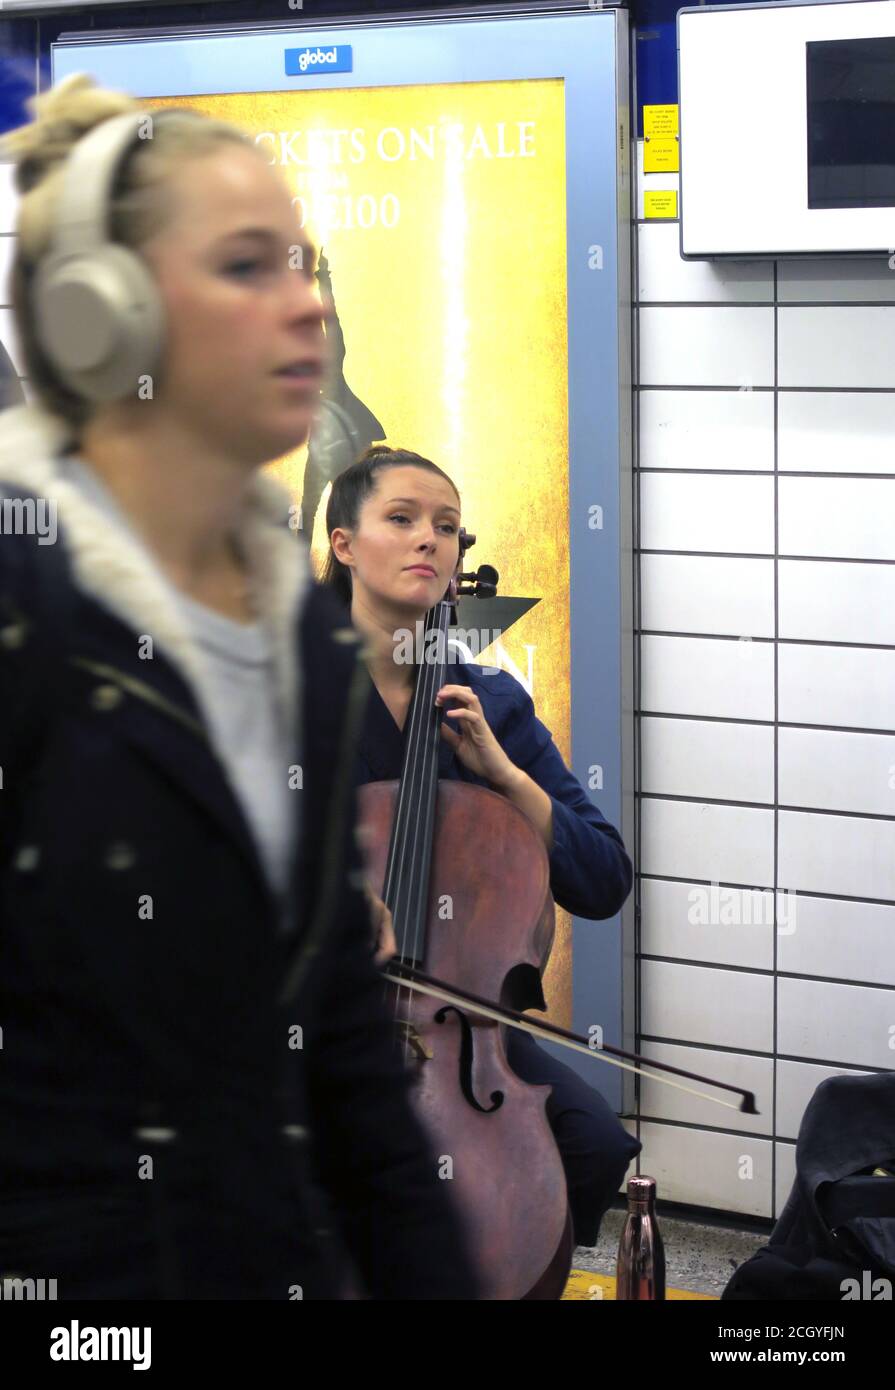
column 411, row 977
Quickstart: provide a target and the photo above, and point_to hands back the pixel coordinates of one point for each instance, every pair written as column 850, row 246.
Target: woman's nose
column 302, row 300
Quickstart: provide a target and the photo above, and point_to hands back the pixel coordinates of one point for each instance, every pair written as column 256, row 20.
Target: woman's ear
column 340, row 540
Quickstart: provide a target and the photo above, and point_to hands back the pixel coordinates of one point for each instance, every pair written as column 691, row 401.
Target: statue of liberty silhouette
column 345, row 427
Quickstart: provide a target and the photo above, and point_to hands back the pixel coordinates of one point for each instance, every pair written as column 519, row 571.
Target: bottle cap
column 641, row 1189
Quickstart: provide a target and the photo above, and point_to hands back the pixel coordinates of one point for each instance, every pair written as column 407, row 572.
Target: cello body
column 488, row 921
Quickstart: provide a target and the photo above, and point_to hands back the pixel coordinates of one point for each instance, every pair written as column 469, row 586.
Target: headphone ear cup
column 99, row 320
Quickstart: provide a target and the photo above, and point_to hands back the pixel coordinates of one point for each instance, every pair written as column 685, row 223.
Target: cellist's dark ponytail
column 349, row 493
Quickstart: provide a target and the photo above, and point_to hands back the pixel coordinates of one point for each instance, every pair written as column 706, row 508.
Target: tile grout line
column 776, row 757
column 638, row 675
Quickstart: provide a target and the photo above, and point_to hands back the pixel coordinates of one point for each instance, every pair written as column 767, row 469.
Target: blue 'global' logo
column 301, row 62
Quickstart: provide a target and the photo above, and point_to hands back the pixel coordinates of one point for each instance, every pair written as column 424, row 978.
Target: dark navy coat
column 134, row 1043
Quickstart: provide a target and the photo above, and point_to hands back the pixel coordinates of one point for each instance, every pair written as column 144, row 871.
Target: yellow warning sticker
column 661, row 156
column 660, row 204
column 660, row 121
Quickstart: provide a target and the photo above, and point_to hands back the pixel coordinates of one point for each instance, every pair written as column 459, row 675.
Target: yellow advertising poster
column 439, row 212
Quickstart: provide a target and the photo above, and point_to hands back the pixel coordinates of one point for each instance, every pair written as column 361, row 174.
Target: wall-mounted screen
column 851, row 123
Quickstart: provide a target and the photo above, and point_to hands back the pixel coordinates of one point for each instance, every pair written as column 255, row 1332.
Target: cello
column 466, row 877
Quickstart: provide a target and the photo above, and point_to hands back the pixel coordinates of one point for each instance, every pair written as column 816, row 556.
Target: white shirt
column 248, row 730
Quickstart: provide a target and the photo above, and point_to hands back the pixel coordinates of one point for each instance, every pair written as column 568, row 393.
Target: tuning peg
column 481, row 582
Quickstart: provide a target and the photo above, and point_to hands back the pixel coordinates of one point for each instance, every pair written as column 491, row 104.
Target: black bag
column 835, row 1238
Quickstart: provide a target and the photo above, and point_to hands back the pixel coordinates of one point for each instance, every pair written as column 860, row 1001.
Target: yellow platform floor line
column 583, row 1283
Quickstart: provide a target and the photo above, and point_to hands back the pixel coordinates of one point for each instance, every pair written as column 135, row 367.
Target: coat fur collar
column 122, row 577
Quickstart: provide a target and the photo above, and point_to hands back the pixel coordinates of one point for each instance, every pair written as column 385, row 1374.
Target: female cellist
column 393, row 522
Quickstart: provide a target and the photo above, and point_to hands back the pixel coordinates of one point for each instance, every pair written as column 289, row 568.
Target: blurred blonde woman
column 195, row 1070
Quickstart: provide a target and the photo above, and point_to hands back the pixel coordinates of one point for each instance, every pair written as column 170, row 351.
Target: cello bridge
column 413, row 1041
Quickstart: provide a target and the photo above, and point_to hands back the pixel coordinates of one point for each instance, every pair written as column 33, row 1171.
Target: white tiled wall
column 767, row 700
column 708, row 1168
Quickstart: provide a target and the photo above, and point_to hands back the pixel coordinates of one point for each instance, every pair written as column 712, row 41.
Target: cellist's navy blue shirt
column 590, row 871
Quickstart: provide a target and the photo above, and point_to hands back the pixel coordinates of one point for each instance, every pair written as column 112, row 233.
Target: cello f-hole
column 467, row 1047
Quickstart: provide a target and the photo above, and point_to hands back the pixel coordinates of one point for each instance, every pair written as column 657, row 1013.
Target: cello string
column 394, row 889
column 423, row 768
column 408, row 793
column 422, row 781
column 435, row 679
column 422, row 791
column 426, row 750
column 408, row 796
column 403, row 998
column 396, row 881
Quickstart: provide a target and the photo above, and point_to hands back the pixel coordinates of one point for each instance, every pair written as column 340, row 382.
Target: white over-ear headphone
column 99, row 316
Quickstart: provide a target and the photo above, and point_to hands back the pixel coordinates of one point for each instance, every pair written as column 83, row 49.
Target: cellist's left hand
column 471, row 738
column 384, row 944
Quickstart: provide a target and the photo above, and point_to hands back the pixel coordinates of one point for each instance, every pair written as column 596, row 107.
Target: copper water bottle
column 641, row 1255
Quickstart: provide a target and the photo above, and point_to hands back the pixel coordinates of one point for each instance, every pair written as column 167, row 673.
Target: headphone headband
column 82, row 220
